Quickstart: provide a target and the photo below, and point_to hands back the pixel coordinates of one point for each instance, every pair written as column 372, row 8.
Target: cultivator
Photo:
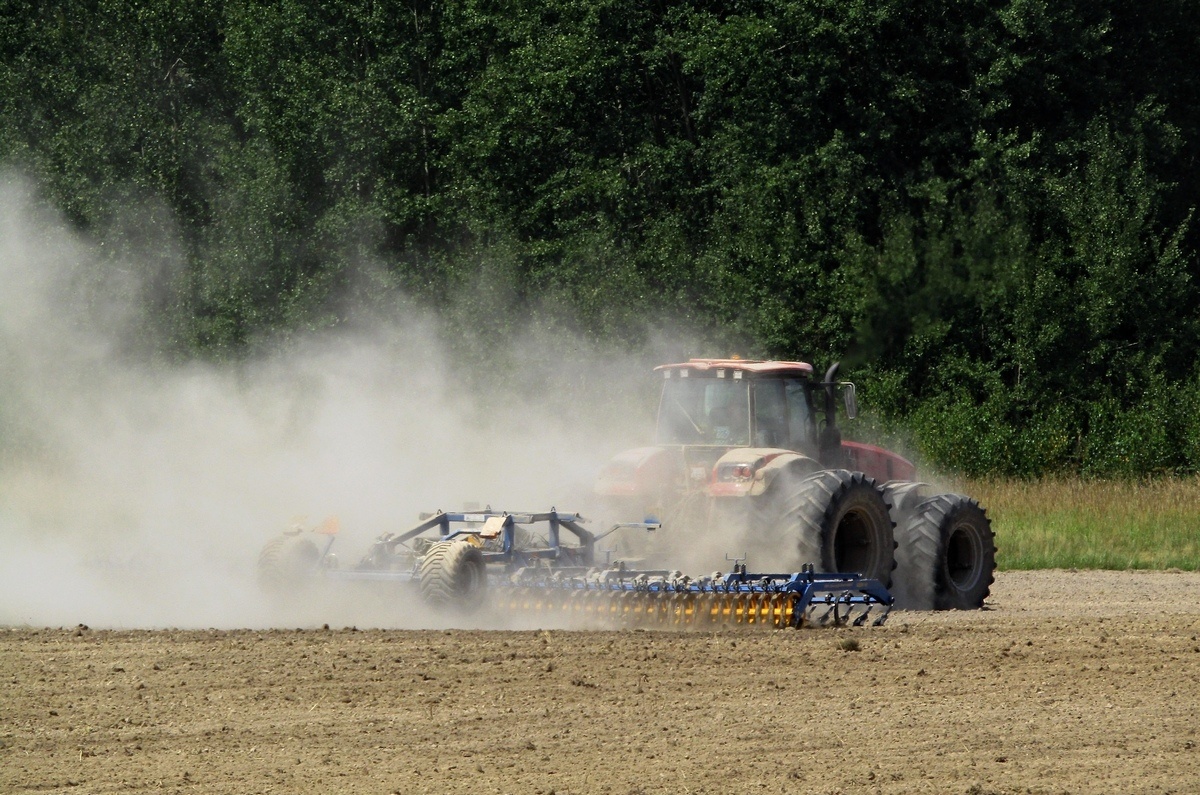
column 517, row 564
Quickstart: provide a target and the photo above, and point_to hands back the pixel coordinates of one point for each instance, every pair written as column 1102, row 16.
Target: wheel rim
column 852, row 549
column 964, row 555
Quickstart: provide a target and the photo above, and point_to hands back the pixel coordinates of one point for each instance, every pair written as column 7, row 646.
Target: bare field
column 1072, row 682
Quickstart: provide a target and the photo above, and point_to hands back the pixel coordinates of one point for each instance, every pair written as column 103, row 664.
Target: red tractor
column 749, row 459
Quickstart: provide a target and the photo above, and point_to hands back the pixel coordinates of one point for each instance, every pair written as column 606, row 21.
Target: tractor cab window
column 770, row 415
column 781, row 414
column 802, row 430
column 704, row 411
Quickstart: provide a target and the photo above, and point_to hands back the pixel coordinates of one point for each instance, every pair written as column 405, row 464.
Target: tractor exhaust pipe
column 830, row 396
column 830, row 442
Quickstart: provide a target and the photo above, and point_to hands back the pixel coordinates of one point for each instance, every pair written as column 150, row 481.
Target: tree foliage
column 987, row 206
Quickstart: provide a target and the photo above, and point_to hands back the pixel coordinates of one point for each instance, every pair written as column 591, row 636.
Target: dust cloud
column 137, row 493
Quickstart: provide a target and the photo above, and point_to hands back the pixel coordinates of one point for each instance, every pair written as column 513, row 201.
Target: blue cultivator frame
column 393, row 556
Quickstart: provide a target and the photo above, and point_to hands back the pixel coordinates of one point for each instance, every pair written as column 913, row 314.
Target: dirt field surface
column 1072, row 682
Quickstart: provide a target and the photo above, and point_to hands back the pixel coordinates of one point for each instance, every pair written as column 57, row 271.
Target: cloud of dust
column 136, row 493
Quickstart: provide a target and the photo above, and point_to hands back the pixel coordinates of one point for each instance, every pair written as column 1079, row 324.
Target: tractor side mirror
column 850, row 399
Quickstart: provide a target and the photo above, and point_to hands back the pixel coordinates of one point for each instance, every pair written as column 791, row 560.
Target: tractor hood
column 639, row 472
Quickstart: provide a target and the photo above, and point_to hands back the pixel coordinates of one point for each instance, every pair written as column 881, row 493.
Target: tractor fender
column 881, row 464
column 789, row 463
column 750, row 471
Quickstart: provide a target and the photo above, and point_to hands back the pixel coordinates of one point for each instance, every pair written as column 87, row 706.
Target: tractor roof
column 752, row 367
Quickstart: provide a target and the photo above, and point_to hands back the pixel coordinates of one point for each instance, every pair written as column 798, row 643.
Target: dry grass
column 1093, row 524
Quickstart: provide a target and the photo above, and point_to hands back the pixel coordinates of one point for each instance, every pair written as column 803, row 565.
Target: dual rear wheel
column 947, row 553
column 934, row 552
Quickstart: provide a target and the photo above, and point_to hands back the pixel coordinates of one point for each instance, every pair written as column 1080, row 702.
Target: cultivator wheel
column 453, row 576
column 287, row 561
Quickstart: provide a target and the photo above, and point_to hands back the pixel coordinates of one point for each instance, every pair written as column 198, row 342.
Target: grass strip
column 1093, row 524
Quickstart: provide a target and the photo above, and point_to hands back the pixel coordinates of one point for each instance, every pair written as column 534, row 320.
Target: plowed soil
column 1071, row 682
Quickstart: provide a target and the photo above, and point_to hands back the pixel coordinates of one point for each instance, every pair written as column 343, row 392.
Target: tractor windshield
column 704, row 411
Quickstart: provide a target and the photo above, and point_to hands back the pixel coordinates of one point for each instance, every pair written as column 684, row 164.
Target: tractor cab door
column 783, row 416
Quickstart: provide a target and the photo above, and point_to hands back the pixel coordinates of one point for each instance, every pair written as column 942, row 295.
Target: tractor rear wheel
column 453, row 575
column 287, row 561
column 838, row 521
column 903, row 496
column 946, row 555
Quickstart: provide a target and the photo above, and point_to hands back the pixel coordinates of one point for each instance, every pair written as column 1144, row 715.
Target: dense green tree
column 988, row 207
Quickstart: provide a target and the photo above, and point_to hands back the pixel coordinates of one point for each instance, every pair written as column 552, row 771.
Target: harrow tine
column 858, row 622
column 823, row 618
column 838, row 618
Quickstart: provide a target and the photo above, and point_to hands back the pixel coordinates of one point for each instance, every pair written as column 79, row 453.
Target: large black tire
column 288, row 561
column 453, row 576
column 903, row 496
column 836, row 520
column 946, row 555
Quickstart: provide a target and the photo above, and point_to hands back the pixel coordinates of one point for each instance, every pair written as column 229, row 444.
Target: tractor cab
column 726, row 420
column 738, row 403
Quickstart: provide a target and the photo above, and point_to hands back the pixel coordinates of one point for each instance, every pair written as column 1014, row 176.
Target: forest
column 985, row 209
